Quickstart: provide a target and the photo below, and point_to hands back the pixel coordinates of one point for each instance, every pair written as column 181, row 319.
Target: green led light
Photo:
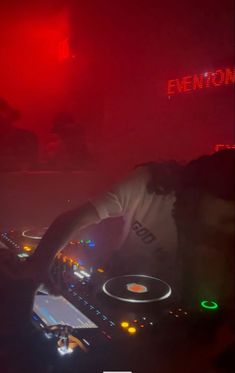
column 209, row 305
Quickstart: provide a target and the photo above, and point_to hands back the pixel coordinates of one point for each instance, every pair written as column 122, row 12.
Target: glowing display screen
column 54, row 310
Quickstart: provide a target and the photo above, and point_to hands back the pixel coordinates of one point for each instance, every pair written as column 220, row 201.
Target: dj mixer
column 96, row 308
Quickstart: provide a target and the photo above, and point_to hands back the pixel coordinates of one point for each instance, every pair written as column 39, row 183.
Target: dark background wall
column 36, row 198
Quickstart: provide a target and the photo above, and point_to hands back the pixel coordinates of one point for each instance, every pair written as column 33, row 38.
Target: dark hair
column 213, row 174
column 165, row 176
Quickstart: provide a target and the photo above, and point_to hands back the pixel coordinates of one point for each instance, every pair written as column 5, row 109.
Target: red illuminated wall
column 134, row 52
column 117, row 83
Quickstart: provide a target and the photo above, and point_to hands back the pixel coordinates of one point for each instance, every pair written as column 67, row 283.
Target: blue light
column 92, row 244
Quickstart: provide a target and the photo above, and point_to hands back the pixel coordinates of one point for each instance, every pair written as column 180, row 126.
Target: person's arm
column 114, row 203
column 59, row 233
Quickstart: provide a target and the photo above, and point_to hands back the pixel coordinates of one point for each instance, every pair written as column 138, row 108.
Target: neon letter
column 187, row 83
column 230, row 76
column 208, row 80
column 179, row 85
column 171, row 86
column 198, row 81
column 221, row 78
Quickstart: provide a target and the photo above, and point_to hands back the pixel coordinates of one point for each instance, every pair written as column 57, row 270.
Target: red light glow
column 64, row 50
column 33, row 48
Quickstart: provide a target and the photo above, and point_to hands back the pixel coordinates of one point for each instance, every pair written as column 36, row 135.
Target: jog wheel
column 137, row 289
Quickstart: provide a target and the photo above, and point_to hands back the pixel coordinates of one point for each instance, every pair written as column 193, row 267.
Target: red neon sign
column 194, row 82
column 218, row 147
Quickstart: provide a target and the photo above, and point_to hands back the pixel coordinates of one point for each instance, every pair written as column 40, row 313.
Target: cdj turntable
column 96, row 308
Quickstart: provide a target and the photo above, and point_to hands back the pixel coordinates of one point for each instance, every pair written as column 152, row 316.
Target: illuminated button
column 124, row 324
column 27, row 248
column 101, row 270
column 132, row 330
column 137, row 288
column 22, row 255
column 209, row 305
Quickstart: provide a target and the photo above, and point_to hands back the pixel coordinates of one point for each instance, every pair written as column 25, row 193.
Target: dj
column 177, row 219
column 170, row 212
column 167, row 210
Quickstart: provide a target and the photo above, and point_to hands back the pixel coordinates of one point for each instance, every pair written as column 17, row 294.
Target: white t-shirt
column 149, row 237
